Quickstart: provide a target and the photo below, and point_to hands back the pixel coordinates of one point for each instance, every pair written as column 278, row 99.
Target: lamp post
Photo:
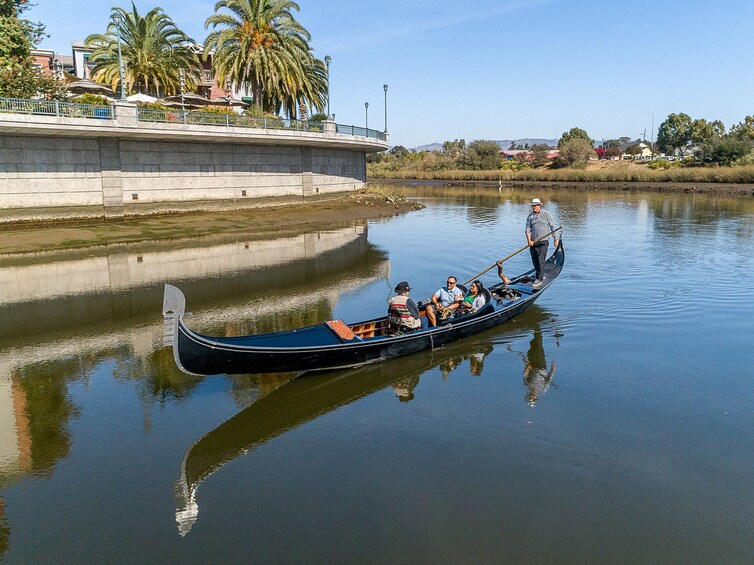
column 366, row 116
column 327, row 62
column 182, row 84
column 118, row 19
column 384, row 87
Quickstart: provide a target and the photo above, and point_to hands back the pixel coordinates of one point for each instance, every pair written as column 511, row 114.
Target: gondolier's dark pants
column 539, row 256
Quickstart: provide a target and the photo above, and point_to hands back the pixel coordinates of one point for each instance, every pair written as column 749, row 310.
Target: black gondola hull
column 204, row 355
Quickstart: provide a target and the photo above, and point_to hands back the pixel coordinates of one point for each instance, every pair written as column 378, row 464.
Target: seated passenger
column 444, row 301
column 474, row 300
column 402, row 312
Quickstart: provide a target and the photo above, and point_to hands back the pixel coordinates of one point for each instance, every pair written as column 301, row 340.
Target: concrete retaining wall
column 55, row 167
column 40, row 174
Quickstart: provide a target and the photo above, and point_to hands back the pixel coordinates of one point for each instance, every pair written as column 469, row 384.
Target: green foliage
column 662, row 164
column 674, row 133
column 319, row 117
column 399, row 151
column 259, row 43
column 454, row 148
column 702, row 130
column 18, row 78
column 575, row 152
column 745, row 129
column 539, row 153
column 572, row 134
column 482, row 155
column 153, row 51
column 90, row 98
column 224, row 110
column 724, row 151
column 515, row 165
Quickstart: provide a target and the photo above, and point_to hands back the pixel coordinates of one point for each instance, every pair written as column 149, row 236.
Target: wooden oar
column 511, row 255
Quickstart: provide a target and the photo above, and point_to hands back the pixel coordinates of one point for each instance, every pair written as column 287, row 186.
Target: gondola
column 335, row 344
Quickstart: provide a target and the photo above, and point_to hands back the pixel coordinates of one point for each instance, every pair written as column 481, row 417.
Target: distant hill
column 503, row 143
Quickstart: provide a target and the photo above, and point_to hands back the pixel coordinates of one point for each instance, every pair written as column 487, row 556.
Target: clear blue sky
column 501, row 69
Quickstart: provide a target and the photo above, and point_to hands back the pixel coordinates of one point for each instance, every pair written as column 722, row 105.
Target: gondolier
column 538, row 224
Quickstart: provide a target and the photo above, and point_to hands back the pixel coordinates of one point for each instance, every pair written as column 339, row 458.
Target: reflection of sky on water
column 638, row 446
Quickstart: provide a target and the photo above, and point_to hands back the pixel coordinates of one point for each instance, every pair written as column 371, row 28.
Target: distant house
column 644, row 152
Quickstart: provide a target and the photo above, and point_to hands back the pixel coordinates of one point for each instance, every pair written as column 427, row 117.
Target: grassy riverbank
column 621, row 172
column 253, row 223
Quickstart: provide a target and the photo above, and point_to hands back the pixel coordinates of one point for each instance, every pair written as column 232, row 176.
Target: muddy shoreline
column 252, row 223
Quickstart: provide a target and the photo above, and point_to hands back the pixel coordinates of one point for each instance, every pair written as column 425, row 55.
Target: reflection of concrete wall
column 120, row 271
column 142, row 340
column 15, row 447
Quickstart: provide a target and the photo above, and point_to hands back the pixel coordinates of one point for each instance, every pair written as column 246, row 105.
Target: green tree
column 482, row 155
column 539, row 153
column 702, row 130
column 260, row 46
column 575, row 152
column 454, row 148
column 745, row 129
column 399, row 152
column 674, row 133
column 153, row 50
column 725, row 150
column 18, row 36
column 575, row 133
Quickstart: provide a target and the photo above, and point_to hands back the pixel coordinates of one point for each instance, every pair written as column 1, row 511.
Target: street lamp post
column 182, row 84
column 327, row 62
column 366, row 116
column 118, row 19
column 384, row 87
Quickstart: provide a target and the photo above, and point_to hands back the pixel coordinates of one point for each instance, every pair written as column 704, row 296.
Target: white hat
column 536, row 201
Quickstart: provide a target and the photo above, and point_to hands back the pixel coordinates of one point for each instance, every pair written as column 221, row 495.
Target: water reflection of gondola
column 295, row 403
column 54, row 332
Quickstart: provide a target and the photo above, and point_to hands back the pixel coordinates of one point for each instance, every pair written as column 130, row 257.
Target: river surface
column 612, row 423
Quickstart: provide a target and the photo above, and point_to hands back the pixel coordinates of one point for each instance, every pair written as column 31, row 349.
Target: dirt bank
column 253, row 223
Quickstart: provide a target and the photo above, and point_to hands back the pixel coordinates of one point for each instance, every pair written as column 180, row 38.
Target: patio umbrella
column 190, row 98
column 140, row 97
column 82, row 86
column 227, row 101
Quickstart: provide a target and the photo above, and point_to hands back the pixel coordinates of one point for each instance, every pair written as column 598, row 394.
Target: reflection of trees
column 4, row 530
column 48, row 409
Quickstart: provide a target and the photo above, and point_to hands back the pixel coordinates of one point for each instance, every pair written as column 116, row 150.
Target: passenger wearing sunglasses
column 444, row 301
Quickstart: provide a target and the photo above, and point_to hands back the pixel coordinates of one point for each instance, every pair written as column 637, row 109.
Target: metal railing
column 356, row 130
column 227, row 120
column 55, row 108
column 177, row 116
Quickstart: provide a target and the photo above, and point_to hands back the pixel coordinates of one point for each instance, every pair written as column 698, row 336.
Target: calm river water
column 613, row 422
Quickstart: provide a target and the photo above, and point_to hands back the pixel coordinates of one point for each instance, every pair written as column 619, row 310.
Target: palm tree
column 260, row 46
column 153, row 49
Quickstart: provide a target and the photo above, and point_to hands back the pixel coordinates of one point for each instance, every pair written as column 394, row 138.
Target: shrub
column 90, row 98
